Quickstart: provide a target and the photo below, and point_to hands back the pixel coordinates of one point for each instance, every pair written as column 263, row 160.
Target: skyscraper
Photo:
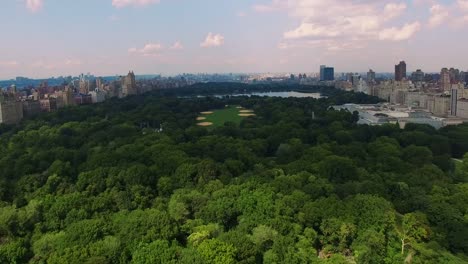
column 329, row 74
column 454, row 75
column 322, row 72
column 99, row 83
column 370, row 76
column 454, row 102
column 463, row 76
column 445, row 79
column 400, row 71
column 129, row 84
column 84, row 84
column 417, row 76
column 355, row 79
column 11, row 110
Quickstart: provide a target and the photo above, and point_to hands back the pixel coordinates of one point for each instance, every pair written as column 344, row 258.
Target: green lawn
column 219, row 117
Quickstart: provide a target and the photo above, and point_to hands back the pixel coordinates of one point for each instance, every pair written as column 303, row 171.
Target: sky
column 44, row 38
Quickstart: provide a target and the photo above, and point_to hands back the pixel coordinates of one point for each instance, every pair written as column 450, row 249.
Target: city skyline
column 52, row 38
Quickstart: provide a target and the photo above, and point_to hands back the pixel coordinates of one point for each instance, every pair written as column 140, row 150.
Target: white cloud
column 150, row 49
column 177, row 46
column 439, row 14
column 72, row 62
column 332, row 45
column 212, row 40
column 453, row 14
column 339, row 24
column 312, row 30
column 124, row 3
column 44, row 65
column 276, row 5
column 34, row 5
column 264, row 8
column 11, row 63
column 460, row 21
column 394, row 10
column 398, row 34
column 463, row 4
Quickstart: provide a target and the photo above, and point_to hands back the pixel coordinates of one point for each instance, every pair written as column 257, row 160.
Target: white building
column 380, row 114
column 97, row 96
column 462, row 108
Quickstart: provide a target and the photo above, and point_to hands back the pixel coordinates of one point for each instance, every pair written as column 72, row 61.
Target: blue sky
column 42, row 38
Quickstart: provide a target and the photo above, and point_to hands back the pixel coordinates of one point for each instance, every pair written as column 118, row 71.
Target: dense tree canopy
column 101, row 184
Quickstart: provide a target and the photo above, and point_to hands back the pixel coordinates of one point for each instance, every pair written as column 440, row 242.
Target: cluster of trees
column 102, row 184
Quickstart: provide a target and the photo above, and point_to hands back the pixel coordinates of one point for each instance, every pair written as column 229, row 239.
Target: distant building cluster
column 86, row 89
column 443, row 94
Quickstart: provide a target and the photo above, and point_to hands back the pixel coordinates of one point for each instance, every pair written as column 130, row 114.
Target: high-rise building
column 322, row 72
column 329, row 74
column 454, row 75
column 129, row 85
column 417, row 76
column 355, row 79
column 453, row 102
column 400, row 71
column 463, row 77
column 31, row 108
column 84, row 84
column 48, row 104
column 11, row 110
column 68, row 97
column 428, row 77
column 97, row 96
column 370, row 76
column 349, row 77
column 462, row 108
column 99, row 83
column 445, row 79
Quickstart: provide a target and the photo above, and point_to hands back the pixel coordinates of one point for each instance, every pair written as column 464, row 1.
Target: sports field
column 219, row 117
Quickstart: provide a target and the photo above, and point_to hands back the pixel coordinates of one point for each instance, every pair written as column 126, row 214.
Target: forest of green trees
column 100, row 184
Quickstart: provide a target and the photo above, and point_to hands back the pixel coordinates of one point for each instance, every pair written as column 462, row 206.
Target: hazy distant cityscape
column 438, row 99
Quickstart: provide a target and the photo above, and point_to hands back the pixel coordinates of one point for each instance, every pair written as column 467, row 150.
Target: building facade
column 329, row 74
column 417, row 76
column 322, row 72
column 11, row 110
column 129, row 85
column 400, row 71
column 48, row 104
column 445, row 79
column 370, row 76
column 453, row 101
column 462, row 108
column 97, row 96
column 31, row 108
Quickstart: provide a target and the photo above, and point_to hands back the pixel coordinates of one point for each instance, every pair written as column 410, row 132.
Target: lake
column 279, row 94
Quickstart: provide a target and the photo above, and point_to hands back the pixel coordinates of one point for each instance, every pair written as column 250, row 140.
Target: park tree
column 412, row 230
column 157, row 252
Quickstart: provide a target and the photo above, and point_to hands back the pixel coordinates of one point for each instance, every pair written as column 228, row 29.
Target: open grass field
column 221, row 116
